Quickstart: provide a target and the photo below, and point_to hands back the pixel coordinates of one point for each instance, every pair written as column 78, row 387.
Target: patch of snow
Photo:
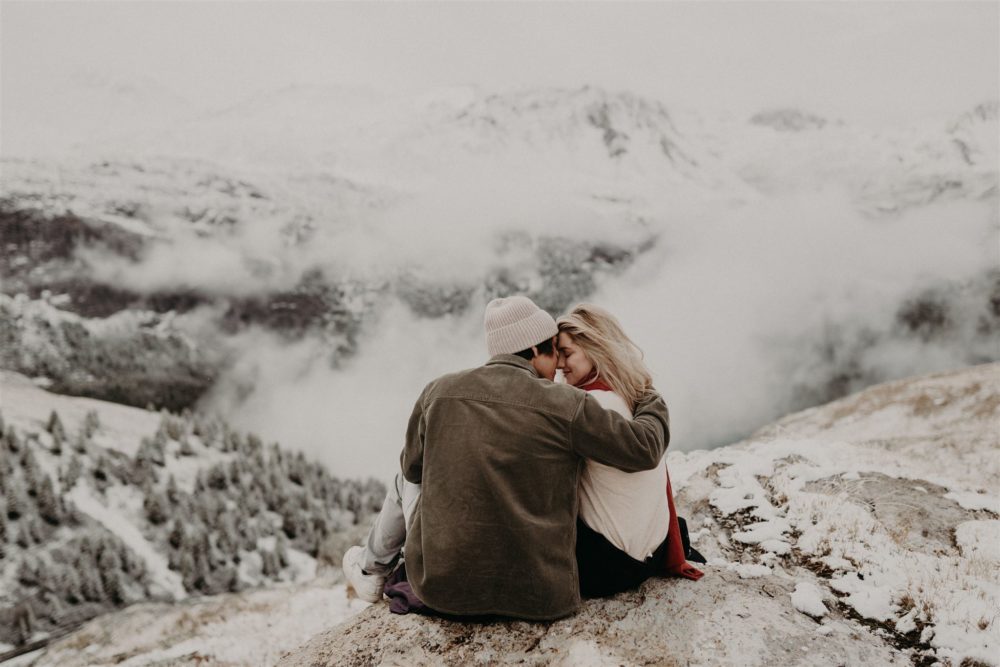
column 906, row 624
column 302, row 566
column 808, row 599
column 874, row 602
column 586, row 653
column 976, row 501
column 750, row 570
column 128, row 224
column 979, row 539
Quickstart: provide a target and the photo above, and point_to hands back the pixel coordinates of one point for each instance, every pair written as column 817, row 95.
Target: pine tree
column 281, row 551
column 55, row 426
column 269, row 565
column 13, row 500
column 25, row 623
column 159, row 442
column 48, row 503
column 26, row 574
column 185, row 448
column 71, row 473
column 187, row 571
column 217, row 477
column 12, row 440
column 173, row 493
column 232, row 580
column 155, row 506
column 80, row 443
column 235, row 474
column 71, row 586
column 91, row 424
column 57, row 444
column 36, row 531
column 32, row 473
column 90, row 582
column 174, row 559
column 176, row 536
column 109, row 566
column 100, row 473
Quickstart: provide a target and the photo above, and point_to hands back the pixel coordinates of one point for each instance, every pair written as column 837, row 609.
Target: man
column 497, row 452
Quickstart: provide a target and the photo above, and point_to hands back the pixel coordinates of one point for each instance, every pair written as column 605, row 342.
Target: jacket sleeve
column 627, row 444
column 412, row 459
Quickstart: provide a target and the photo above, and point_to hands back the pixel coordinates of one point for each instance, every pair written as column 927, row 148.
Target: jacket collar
column 512, row 360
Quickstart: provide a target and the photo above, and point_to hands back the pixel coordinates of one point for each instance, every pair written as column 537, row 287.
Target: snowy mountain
column 105, row 505
column 788, row 120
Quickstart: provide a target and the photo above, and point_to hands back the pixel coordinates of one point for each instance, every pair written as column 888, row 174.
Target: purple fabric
column 402, row 599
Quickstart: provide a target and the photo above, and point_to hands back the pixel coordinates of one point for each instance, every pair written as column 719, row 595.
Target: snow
column 808, row 599
column 762, row 486
column 871, row 601
column 976, row 501
column 28, row 407
column 586, row 653
column 749, row 570
column 979, row 540
column 250, row 628
column 129, row 224
column 114, row 516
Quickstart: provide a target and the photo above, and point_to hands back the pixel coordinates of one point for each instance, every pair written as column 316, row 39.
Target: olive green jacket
column 498, row 452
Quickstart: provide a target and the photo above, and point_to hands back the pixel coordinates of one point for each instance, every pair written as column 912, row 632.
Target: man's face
column 545, row 365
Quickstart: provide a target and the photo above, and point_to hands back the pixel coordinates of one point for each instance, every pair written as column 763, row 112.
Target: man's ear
column 534, row 351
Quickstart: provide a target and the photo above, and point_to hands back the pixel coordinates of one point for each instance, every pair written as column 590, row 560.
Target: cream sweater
column 629, row 509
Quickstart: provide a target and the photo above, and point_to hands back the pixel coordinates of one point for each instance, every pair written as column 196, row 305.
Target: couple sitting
column 519, row 494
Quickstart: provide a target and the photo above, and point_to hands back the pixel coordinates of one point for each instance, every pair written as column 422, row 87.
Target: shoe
column 368, row 587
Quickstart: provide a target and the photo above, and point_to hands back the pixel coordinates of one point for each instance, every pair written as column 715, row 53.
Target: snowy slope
column 890, row 496
column 252, row 628
column 104, row 505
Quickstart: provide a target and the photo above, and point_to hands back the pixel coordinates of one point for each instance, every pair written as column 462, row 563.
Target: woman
column 627, row 529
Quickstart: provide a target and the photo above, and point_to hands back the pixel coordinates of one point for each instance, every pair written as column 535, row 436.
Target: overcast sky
column 884, row 61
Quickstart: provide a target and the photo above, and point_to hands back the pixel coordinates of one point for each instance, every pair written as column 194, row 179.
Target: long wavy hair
column 617, row 360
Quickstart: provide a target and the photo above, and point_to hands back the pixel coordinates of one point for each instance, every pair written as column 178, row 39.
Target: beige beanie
column 516, row 323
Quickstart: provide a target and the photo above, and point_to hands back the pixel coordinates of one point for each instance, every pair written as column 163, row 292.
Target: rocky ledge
column 864, row 531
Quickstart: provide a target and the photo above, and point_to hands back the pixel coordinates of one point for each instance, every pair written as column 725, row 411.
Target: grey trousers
column 388, row 535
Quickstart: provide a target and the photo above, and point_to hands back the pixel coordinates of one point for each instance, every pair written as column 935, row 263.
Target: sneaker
column 368, row 587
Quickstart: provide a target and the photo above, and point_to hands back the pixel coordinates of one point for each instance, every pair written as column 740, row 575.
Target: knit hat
column 516, row 323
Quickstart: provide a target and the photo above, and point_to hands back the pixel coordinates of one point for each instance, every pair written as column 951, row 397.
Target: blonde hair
column 617, row 360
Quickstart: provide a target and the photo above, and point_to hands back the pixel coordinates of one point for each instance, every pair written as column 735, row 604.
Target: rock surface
column 882, row 506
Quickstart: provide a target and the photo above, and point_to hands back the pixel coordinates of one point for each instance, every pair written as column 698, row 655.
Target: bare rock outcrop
column 721, row 619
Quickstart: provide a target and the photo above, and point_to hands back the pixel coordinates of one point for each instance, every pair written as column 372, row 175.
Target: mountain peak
column 788, row 120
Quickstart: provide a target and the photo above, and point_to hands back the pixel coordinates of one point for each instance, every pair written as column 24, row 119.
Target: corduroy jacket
column 498, row 453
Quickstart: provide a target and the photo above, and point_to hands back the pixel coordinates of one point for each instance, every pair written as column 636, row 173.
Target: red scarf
column 675, row 564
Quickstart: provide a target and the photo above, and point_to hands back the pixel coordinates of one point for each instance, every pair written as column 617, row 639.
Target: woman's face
column 576, row 367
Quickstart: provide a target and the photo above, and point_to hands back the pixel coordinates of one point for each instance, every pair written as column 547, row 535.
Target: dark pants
column 605, row 569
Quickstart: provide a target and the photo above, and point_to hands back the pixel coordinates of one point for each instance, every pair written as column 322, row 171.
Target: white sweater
column 629, row 509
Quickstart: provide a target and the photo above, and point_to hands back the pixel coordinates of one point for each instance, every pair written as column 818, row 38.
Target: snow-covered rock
column 856, row 491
